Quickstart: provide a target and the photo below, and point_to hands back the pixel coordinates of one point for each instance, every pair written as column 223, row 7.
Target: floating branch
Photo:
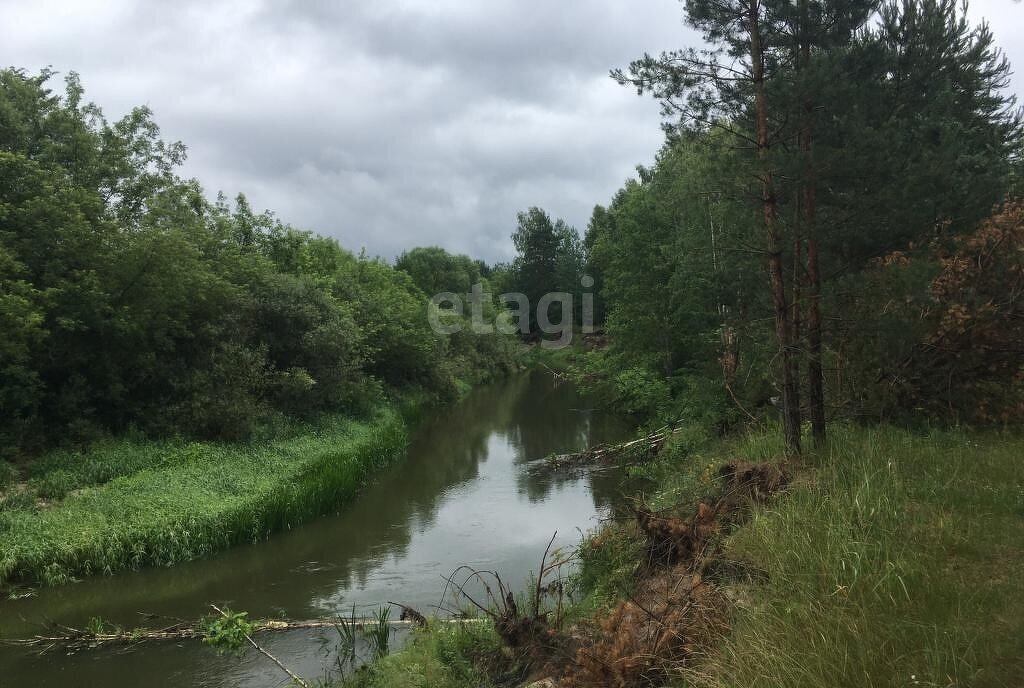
column 79, row 638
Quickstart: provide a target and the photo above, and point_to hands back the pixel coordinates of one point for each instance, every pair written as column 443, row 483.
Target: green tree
column 727, row 88
column 128, row 300
column 550, row 259
column 435, row 271
column 860, row 140
column 681, row 287
column 21, row 321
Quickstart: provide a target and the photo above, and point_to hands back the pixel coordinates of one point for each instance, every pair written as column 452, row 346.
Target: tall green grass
column 896, row 560
column 131, row 504
column 440, row 656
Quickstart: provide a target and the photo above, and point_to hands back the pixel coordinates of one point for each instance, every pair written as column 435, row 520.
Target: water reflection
column 464, row 495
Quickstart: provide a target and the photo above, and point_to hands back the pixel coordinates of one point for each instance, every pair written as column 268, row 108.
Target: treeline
column 543, row 287
column 129, row 302
column 830, row 228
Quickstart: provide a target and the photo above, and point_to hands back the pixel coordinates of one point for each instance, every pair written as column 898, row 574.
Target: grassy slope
column 897, row 559
column 127, row 504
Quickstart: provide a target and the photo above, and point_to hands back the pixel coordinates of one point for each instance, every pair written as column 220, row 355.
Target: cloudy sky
column 387, row 123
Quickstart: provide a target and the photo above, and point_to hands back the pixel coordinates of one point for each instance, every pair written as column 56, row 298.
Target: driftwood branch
column 648, row 444
column 74, row 637
column 556, row 376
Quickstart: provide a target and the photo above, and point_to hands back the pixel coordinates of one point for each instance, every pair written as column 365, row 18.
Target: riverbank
column 127, row 504
column 893, row 558
column 471, row 471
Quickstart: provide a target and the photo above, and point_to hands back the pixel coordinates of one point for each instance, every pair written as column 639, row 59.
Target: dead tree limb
column 647, row 444
column 74, row 637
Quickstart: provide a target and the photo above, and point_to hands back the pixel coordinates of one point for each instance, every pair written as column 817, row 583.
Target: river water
column 468, row 492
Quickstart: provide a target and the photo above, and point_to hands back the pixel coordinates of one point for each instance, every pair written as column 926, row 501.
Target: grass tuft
column 440, row 656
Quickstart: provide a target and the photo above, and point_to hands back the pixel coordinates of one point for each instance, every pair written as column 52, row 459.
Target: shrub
column 940, row 331
column 227, row 633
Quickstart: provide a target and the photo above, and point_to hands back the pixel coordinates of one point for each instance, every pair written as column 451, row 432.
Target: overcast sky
column 391, row 123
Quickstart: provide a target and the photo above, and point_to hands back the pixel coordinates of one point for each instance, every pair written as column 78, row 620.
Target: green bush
column 227, row 633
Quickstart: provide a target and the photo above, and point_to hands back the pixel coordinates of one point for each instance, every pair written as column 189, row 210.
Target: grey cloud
column 385, row 124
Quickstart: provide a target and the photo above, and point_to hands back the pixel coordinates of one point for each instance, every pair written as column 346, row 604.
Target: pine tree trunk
column 815, row 378
column 730, row 358
column 790, row 411
column 796, row 310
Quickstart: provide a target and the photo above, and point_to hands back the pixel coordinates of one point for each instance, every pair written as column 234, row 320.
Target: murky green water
column 466, row 494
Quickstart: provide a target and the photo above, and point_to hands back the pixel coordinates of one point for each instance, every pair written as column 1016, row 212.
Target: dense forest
column 795, row 340
column 831, row 227
column 836, row 232
column 129, row 302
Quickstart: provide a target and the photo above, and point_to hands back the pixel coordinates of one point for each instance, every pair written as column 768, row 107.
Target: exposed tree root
column 672, row 615
column 676, row 609
column 757, row 481
column 672, row 540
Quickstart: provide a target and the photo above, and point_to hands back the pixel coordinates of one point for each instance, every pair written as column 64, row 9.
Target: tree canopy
column 863, row 140
column 129, row 300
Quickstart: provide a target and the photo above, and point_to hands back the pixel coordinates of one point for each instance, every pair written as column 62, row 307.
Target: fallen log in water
column 647, row 445
column 75, row 637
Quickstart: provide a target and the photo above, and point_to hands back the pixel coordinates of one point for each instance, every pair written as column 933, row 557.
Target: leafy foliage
column 434, row 270
column 128, row 300
column 227, row 633
column 914, row 143
column 549, row 260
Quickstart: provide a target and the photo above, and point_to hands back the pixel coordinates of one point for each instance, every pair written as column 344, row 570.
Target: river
column 468, row 492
